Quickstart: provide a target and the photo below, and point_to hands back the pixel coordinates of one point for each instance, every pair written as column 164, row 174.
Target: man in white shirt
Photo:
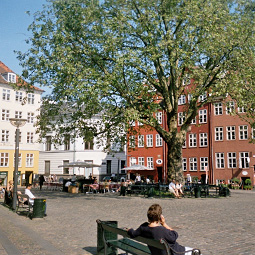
column 30, row 194
column 172, row 188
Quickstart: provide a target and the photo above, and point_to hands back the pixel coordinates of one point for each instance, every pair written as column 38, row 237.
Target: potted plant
column 248, row 185
column 236, row 182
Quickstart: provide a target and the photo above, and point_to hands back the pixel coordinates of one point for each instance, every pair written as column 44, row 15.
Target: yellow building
column 18, row 103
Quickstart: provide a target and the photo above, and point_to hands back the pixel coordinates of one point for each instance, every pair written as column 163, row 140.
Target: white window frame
column 253, row 133
column 30, row 117
column 193, row 164
column 218, row 109
column 29, row 160
column 219, row 134
column 241, row 109
column 202, row 97
column 220, row 161
column 19, row 96
column 140, row 140
column 232, row 163
column 203, row 163
column 203, row 116
column 4, row 159
column 193, row 140
column 203, row 139
column 182, row 100
column 243, row 132
column 12, row 77
column 159, row 141
column 131, row 141
column 149, row 140
column 230, row 108
column 181, row 118
column 30, row 98
column 5, row 115
column 18, row 114
column 244, row 159
column 6, row 96
column 5, row 134
column 150, row 162
column 20, row 159
column 141, row 161
column 159, row 117
column 184, row 164
column 30, row 137
column 132, row 161
column 231, row 133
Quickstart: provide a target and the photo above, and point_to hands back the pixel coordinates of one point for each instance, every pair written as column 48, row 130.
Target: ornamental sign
column 244, row 172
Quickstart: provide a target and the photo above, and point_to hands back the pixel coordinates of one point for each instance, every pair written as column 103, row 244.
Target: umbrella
column 79, row 164
column 137, row 168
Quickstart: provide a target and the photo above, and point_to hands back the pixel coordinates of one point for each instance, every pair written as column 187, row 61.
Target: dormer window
column 10, row 77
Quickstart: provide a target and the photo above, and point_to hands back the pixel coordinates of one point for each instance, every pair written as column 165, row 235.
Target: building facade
column 219, row 145
column 16, row 102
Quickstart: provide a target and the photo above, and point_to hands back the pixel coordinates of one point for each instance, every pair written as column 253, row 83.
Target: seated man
column 179, row 187
column 31, row 196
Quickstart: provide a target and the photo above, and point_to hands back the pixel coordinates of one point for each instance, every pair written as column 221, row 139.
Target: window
column 253, row 133
column 30, row 117
column 231, row 133
column 19, row 96
column 108, row 166
column 48, row 143
column 193, row 121
column 219, row 134
column 159, row 140
column 11, row 77
column 6, row 96
column 244, row 160
column 149, row 140
column 230, row 108
column 132, row 123
column 231, row 160
column 203, row 163
column 243, row 132
column 241, row 109
column 219, row 156
column 65, row 169
column 89, row 144
column 150, row 162
column 184, row 164
column 132, row 141
column 30, row 98
column 184, row 145
column 192, row 140
column 30, row 160
column 19, row 164
column 67, row 143
column 202, row 97
column 181, row 118
column 132, row 161
column 141, row 161
column 18, row 114
column 30, row 137
column 193, row 164
column 5, row 115
column 203, row 140
column 159, row 117
column 218, row 110
column 203, row 116
column 4, row 159
column 182, row 100
column 140, row 123
column 141, row 141
column 186, row 80
column 190, row 97
column 5, row 136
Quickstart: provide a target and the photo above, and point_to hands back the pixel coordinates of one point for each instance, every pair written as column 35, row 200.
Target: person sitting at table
column 31, row 196
column 156, row 228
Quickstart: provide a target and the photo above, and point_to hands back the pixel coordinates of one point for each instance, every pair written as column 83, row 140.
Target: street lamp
column 16, row 122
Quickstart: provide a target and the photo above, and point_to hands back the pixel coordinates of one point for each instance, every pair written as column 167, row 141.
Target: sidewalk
column 215, row 225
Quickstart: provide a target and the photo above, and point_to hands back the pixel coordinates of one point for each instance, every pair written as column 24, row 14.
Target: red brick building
column 218, row 145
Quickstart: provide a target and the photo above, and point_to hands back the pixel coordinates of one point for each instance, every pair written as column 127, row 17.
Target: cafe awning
column 137, row 168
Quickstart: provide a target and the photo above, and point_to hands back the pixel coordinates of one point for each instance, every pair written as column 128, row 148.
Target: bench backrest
column 160, row 244
column 21, row 197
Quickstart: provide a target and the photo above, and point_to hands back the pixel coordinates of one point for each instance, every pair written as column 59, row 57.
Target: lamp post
column 16, row 122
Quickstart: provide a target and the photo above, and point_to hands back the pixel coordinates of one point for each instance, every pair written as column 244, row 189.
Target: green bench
column 23, row 204
column 109, row 242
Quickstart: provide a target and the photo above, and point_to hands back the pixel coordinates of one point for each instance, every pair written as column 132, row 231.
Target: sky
column 13, row 29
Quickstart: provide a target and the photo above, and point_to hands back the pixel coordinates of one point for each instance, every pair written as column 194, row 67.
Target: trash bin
column 197, row 191
column 39, row 207
column 151, row 192
column 108, row 236
column 224, row 191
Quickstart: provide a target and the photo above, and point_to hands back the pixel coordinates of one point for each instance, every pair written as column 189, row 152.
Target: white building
column 16, row 102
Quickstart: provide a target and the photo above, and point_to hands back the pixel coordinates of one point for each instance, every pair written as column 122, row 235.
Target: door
column 47, row 168
column 159, row 169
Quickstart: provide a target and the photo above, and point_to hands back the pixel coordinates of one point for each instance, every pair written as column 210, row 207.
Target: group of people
column 175, row 187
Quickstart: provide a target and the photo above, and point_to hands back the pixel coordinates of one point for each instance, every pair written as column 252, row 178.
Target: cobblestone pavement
column 215, row 225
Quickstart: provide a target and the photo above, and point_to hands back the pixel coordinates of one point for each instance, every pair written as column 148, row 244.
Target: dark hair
column 154, row 213
column 28, row 185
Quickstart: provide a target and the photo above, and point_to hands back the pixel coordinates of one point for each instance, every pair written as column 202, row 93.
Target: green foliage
column 236, row 180
column 127, row 59
column 248, row 182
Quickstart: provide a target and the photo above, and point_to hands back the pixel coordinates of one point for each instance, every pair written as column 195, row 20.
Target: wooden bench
column 23, row 204
column 136, row 246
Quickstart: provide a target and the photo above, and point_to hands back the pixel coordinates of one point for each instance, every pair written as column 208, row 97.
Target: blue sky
column 13, row 29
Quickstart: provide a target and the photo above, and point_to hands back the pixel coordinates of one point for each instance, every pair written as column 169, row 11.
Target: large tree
column 127, row 59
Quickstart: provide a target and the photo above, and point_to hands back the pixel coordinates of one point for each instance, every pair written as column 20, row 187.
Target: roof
column 6, row 69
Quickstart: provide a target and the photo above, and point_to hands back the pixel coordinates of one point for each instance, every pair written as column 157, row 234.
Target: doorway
column 159, row 169
column 28, row 177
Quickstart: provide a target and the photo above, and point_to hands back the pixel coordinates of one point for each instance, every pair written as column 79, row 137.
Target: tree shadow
column 91, row 249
